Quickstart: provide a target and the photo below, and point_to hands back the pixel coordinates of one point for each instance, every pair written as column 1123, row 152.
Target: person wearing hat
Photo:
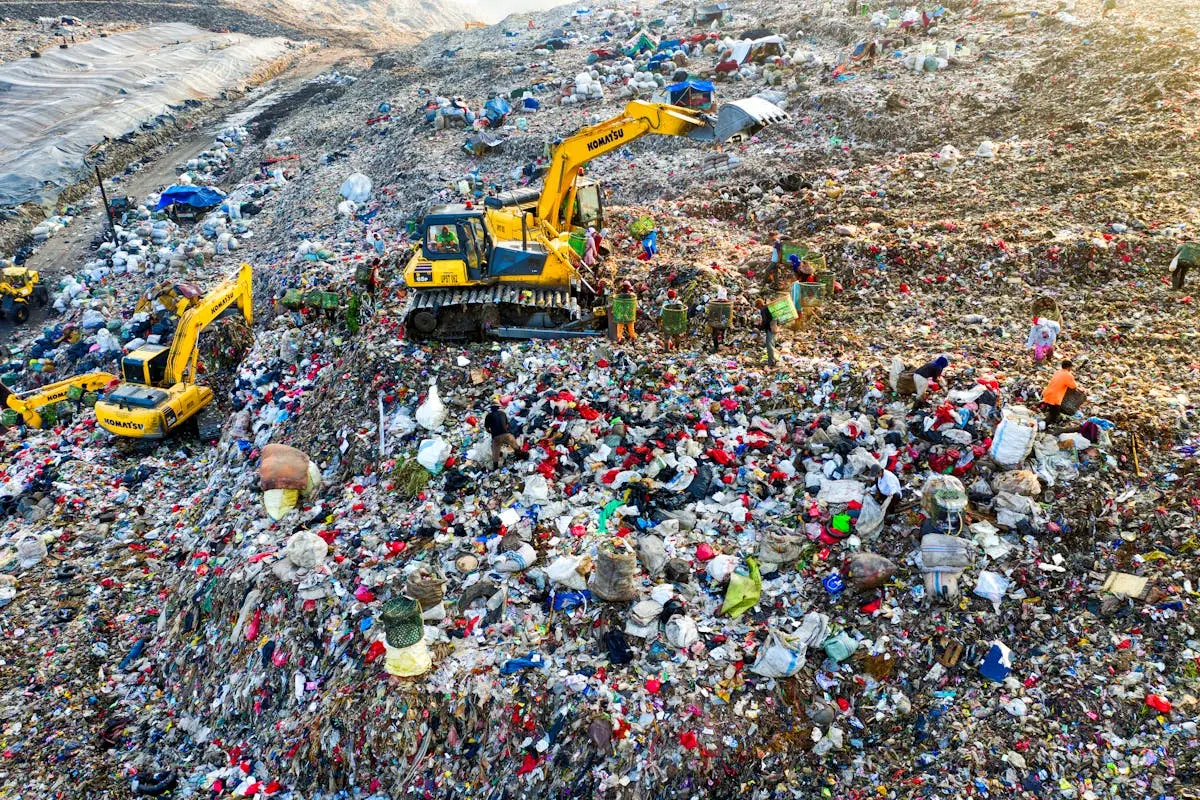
column 496, row 424
column 717, row 328
column 674, row 330
column 625, row 329
column 1187, row 255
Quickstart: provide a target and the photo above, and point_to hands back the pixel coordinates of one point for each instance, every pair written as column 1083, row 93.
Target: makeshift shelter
column 640, row 42
column 691, row 94
column 757, row 50
column 706, row 15
column 189, row 198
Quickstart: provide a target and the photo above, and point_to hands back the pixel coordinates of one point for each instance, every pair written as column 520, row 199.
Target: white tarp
column 54, row 108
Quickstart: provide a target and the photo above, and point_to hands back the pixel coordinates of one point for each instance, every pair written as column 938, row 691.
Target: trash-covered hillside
column 939, row 540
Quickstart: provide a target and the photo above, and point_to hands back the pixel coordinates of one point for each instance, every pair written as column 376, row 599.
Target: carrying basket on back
column 674, row 318
column 719, row 313
column 1047, row 307
column 624, row 308
column 1073, row 400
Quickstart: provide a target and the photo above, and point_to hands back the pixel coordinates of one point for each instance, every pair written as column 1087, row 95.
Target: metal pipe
column 524, row 231
column 112, row 226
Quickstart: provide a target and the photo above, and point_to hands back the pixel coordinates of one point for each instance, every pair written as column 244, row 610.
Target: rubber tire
column 21, row 312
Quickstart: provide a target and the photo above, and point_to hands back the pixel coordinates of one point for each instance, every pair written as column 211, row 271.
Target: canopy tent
column 691, row 94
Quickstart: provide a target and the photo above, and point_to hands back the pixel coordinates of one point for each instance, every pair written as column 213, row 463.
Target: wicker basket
column 674, row 318
column 624, row 308
column 719, row 313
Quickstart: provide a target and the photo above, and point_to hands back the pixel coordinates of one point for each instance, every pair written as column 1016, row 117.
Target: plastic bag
column 991, row 586
column 941, row 553
column 432, row 454
column 515, row 560
column 1013, row 439
column 782, row 656
column 869, row 570
column 1021, row 481
column 432, row 413
column 777, row 547
column 745, row 589
column 564, row 571
column 681, row 631
column 720, row 568
column 357, row 188
column 31, row 549
column 306, row 550
column 283, row 467
column 653, row 554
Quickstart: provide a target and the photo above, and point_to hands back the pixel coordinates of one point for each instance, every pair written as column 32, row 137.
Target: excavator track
column 509, row 311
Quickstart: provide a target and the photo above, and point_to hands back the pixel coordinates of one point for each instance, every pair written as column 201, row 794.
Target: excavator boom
column 29, row 404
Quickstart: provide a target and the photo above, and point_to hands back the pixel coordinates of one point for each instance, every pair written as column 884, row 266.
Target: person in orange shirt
column 1056, row 389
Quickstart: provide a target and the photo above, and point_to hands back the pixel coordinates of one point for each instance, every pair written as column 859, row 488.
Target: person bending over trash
column 1056, row 390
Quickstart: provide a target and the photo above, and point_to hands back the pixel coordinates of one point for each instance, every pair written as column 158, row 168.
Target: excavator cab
column 453, row 248
column 146, row 365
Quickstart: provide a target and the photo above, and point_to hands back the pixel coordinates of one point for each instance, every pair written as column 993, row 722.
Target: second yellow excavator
column 157, row 393
column 508, row 269
column 31, row 407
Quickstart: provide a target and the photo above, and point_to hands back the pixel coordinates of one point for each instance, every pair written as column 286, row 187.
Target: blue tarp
column 695, row 86
column 194, row 196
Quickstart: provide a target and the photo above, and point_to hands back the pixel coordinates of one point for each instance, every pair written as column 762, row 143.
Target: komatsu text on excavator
column 157, row 393
column 508, row 269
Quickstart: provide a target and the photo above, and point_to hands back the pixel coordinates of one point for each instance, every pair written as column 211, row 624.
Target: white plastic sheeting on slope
column 54, row 108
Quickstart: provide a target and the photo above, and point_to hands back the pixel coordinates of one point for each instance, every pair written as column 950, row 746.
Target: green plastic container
column 674, row 318
column 624, row 308
column 329, row 301
column 293, row 298
column 783, row 309
column 49, row 415
column 312, row 299
column 90, row 398
column 720, row 313
column 74, row 392
column 578, row 241
column 826, row 281
column 808, row 292
column 9, row 418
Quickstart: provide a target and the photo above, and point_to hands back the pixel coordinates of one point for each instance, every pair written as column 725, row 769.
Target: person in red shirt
column 1056, row 389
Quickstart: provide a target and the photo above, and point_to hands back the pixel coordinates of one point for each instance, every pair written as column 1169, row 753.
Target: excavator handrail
column 181, row 360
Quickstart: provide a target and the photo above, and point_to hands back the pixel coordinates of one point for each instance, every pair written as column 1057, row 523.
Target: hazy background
column 496, row 10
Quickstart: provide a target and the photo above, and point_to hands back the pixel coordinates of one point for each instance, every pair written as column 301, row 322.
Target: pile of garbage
column 688, row 573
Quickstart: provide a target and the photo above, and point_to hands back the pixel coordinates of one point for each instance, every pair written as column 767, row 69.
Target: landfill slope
column 105, row 89
column 698, row 575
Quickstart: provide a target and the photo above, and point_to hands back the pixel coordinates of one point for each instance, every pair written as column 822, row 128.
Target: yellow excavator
column 157, row 393
column 18, row 287
column 508, row 269
column 29, row 406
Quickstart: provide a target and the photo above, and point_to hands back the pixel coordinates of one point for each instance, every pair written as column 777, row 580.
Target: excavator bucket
column 746, row 117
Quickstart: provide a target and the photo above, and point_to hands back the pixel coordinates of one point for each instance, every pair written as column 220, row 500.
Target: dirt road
column 66, row 251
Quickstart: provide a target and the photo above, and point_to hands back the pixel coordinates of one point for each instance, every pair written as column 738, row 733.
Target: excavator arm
column 638, row 119
column 181, row 361
column 29, row 405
